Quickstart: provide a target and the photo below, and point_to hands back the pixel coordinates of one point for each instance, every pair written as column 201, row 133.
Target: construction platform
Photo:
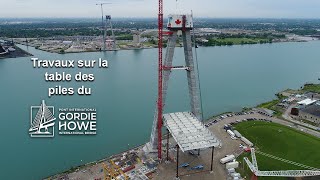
column 189, row 132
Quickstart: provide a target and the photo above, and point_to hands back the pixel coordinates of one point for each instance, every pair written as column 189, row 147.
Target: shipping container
column 235, row 175
column 227, row 159
column 237, row 133
column 232, row 165
column 129, row 168
column 230, row 133
column 245, row 140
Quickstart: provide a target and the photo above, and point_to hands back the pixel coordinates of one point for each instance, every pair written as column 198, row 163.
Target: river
column 125, row 94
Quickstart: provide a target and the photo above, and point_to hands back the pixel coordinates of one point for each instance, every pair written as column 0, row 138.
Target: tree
column 152, row 41
column 229, row 43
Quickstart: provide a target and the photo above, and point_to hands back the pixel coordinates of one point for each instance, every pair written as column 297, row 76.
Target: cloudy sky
column 148, row 8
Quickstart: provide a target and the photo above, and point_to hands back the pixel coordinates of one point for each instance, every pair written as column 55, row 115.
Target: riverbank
column 65, row 47
column 18, row 52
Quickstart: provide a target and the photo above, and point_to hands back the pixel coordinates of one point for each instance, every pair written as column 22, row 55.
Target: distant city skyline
column 148, row 8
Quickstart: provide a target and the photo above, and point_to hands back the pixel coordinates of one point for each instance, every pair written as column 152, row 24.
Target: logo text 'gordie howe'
column 77, row 121
column 71, row 121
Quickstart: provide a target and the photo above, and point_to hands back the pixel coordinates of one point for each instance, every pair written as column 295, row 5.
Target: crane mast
column 160, row 104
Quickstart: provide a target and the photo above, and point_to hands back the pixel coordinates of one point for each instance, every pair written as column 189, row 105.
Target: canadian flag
column 178, row 21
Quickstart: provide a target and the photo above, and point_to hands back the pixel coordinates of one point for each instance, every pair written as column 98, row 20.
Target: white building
column 306, row 102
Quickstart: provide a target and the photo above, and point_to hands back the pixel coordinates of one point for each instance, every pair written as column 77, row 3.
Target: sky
column 149, row 8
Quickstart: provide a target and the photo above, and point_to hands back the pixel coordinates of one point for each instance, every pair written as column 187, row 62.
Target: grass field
column 243, row 40
column 280, row 141
column 311, row 88
column 229, row 41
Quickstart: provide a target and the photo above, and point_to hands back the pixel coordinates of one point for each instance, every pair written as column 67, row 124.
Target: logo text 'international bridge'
column 42, row 122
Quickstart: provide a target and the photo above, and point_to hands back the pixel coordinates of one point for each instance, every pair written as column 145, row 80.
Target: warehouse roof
column 306, row 102
column 312, row 109
column 189, row 132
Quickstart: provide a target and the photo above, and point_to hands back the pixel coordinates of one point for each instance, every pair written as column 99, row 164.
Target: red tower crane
column 160, row 105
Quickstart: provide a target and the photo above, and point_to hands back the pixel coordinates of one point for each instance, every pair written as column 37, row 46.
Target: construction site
column 182, row 145
column 77, row 44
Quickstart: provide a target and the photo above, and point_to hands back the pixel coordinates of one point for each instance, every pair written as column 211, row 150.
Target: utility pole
column 103, row 26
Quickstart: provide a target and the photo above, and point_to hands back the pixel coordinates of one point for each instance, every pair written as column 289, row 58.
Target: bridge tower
column 176, row 23
column 109, row 34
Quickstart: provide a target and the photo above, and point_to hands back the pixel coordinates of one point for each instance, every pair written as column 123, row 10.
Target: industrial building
column 307, row 109
column 311, row 113
column 306, row 102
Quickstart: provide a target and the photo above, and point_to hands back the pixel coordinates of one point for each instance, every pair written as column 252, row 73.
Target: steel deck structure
column 189, row 132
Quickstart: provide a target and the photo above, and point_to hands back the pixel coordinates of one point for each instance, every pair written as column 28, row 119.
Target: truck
column 237, row 133
column 245, row 140
column 234, row 164
column 230, row 133
column 227, row 159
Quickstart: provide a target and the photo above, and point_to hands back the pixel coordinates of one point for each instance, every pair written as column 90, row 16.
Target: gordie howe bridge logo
column 71, row 121
column 42, row 123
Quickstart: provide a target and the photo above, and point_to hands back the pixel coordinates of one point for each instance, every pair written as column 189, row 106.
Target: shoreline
column 154, row 47
column 77, row 168
column 19, row 52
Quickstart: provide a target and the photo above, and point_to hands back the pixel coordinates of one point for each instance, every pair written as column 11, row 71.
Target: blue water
column 125, row 94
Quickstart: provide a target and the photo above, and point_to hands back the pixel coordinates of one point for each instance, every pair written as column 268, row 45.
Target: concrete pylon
column 178, row 23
